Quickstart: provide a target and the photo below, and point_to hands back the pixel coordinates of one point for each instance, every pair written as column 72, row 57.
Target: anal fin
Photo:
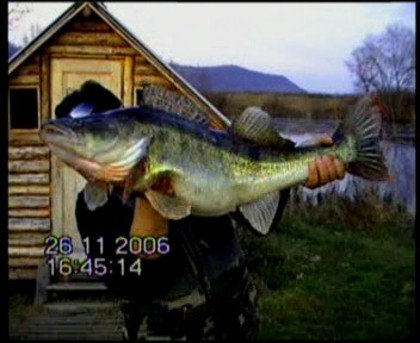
column 260, row 214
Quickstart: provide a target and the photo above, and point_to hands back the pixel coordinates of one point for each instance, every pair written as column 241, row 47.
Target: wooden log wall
column 29, row 208
column 29, row 185
column 88, row 38
column 145, row 73
column 26, row 74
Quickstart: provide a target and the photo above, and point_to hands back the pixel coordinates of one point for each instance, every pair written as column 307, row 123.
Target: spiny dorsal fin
column 159, row 97
column 257, row 126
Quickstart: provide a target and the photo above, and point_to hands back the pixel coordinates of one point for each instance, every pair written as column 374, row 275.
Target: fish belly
column 207, row 196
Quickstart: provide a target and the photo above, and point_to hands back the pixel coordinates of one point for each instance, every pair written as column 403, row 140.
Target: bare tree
column 35, row 29
column 384, row 65
column 16, row 11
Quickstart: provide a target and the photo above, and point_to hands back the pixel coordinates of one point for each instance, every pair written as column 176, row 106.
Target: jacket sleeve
column 107, row 223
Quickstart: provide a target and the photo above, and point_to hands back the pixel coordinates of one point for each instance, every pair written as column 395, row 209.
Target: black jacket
column 201, row 248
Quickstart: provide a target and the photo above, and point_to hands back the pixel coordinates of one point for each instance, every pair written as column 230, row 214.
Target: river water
column 399, row 157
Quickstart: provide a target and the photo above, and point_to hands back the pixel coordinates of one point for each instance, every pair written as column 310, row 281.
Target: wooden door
column 66, row 76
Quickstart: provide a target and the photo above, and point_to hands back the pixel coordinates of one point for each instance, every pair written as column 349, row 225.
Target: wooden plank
column 89, row 26
column 28, row 153
column 89, row 38
column 20, row 166
column 128, row 81
column 34, row 213
column 45, row 88
column 140, row 80
column 26, row 252
column 24, row 273
column 29, row 190
column 19, row 179
column 27, row 69
column 17, row 138
column 24, row 80
column 25, row 262
column 32, row 60
column 64, row 50
column 146, row 69
column 27, row 239
column 140, row 59
column 32, row 201
column 29, row 224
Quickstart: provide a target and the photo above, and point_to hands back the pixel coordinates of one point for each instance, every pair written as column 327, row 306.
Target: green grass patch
column 332, row 280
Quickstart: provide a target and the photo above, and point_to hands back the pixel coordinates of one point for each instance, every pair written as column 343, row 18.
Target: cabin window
column 139, row 96
column 23, row 108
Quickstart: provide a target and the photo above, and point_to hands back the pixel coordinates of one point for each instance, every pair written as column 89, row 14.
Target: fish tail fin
column 364, row 126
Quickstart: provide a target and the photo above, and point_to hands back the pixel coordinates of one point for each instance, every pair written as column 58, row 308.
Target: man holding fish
column 157, row 174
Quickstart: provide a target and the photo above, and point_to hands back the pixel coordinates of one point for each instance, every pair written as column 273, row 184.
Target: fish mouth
column 60, row 136
column 62, row 141
column 91, row 170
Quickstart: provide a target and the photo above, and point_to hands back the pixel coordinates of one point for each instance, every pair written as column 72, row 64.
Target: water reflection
column 400, row 159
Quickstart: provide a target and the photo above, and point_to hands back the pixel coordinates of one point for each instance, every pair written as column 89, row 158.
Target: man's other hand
column 325, row 168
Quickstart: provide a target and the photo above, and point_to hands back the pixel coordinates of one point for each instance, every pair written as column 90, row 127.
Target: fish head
column 98, row 146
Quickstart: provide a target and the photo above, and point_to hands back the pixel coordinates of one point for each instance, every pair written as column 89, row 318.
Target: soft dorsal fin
column 257, row 126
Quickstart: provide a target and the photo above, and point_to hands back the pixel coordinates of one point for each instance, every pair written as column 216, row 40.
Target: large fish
column 210, row 172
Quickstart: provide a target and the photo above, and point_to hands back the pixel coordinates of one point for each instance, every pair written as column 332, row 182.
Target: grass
column 334, row 279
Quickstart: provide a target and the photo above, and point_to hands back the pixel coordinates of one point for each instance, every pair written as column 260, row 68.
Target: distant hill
column 12, row 48
column 231, row 78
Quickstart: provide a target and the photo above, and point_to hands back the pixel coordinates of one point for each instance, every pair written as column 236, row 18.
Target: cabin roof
column 100, row 9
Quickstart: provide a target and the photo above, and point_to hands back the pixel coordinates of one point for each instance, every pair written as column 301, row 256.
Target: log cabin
column 85, row 42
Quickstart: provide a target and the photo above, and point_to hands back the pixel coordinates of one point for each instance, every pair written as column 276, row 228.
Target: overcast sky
column 306, row 42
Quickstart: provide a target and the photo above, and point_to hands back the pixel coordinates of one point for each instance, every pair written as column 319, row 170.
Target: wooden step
column 80, row 306
column 72, row 290
column 76, row 286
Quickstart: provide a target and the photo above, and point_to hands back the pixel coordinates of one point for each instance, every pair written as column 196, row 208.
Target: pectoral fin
column 260, row 214
column 167, row 206
column 136, row 172
column 95, row 194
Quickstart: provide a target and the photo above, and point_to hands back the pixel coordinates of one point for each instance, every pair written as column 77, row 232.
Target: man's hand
column 147, row 222
column 325, row 168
